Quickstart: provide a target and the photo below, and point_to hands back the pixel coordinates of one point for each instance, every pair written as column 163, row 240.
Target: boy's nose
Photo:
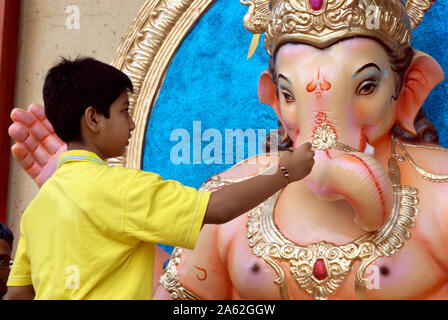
column 132, row 127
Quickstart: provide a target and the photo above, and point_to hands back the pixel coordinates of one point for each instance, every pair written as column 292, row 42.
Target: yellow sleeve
column 20, row 275
column 164, row 211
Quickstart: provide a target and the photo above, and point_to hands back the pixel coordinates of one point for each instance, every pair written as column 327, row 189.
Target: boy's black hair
column 73, row 86
column 6, row 234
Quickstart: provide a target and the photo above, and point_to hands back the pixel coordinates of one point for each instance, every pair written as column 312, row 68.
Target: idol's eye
column 367, row 87
column 289, row 98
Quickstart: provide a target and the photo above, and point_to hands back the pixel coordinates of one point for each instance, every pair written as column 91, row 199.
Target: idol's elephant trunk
column 358, row 178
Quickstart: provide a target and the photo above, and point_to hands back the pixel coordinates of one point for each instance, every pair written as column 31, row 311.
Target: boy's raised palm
column 37, row 147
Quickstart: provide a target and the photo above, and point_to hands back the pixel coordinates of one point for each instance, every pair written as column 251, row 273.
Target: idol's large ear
column 423, row 75
column 267, row 94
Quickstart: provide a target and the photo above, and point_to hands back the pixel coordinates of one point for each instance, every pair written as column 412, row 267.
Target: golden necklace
column 320, row 268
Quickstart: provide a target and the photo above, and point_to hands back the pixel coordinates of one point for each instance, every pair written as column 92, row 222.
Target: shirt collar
column 80, row 155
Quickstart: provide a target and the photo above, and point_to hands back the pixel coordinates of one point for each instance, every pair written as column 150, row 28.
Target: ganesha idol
column 371, row 220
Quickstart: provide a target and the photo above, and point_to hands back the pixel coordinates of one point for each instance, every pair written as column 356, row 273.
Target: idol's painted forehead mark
column 364, row 67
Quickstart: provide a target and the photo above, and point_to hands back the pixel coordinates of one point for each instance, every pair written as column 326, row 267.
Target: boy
column 90, row 233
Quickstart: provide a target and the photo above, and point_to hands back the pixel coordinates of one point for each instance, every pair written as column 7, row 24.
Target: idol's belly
column 411, row 273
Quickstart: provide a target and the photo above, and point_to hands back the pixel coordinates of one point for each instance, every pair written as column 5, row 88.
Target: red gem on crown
column 316, row 5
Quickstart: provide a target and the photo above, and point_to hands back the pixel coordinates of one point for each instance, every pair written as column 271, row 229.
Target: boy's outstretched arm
column 20, row 293
column 235, row 199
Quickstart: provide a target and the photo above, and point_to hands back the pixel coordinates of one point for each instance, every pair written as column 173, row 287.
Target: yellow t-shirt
column 90, row 233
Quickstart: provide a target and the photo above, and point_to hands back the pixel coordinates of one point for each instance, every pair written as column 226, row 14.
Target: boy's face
column 116, row 131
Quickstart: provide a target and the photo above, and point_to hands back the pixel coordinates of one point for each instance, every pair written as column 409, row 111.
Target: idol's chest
column 320, row 269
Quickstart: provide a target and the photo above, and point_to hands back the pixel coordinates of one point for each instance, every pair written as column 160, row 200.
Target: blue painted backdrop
column 431, row 37
column 211, row 81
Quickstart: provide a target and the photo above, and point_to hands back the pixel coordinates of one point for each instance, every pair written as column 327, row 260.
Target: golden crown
column 324, row 22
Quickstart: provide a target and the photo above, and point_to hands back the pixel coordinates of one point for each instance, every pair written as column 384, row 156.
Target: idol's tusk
column 369, row 150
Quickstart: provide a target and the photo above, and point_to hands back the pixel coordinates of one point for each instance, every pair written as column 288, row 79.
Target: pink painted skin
column 37, row 147
column 346, row 193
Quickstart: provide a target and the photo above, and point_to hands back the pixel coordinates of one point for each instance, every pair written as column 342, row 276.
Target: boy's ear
column 92, row 119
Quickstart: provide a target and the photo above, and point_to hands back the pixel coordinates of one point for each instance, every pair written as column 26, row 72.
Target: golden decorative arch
column 145, row 54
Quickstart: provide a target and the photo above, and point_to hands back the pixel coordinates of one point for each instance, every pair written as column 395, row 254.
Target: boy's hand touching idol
column 298, row 162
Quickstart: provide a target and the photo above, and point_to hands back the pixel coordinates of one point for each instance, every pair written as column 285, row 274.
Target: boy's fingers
column 307, row 146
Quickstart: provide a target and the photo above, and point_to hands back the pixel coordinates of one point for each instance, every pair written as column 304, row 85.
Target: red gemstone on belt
column 319, row 270
column 316, row 5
